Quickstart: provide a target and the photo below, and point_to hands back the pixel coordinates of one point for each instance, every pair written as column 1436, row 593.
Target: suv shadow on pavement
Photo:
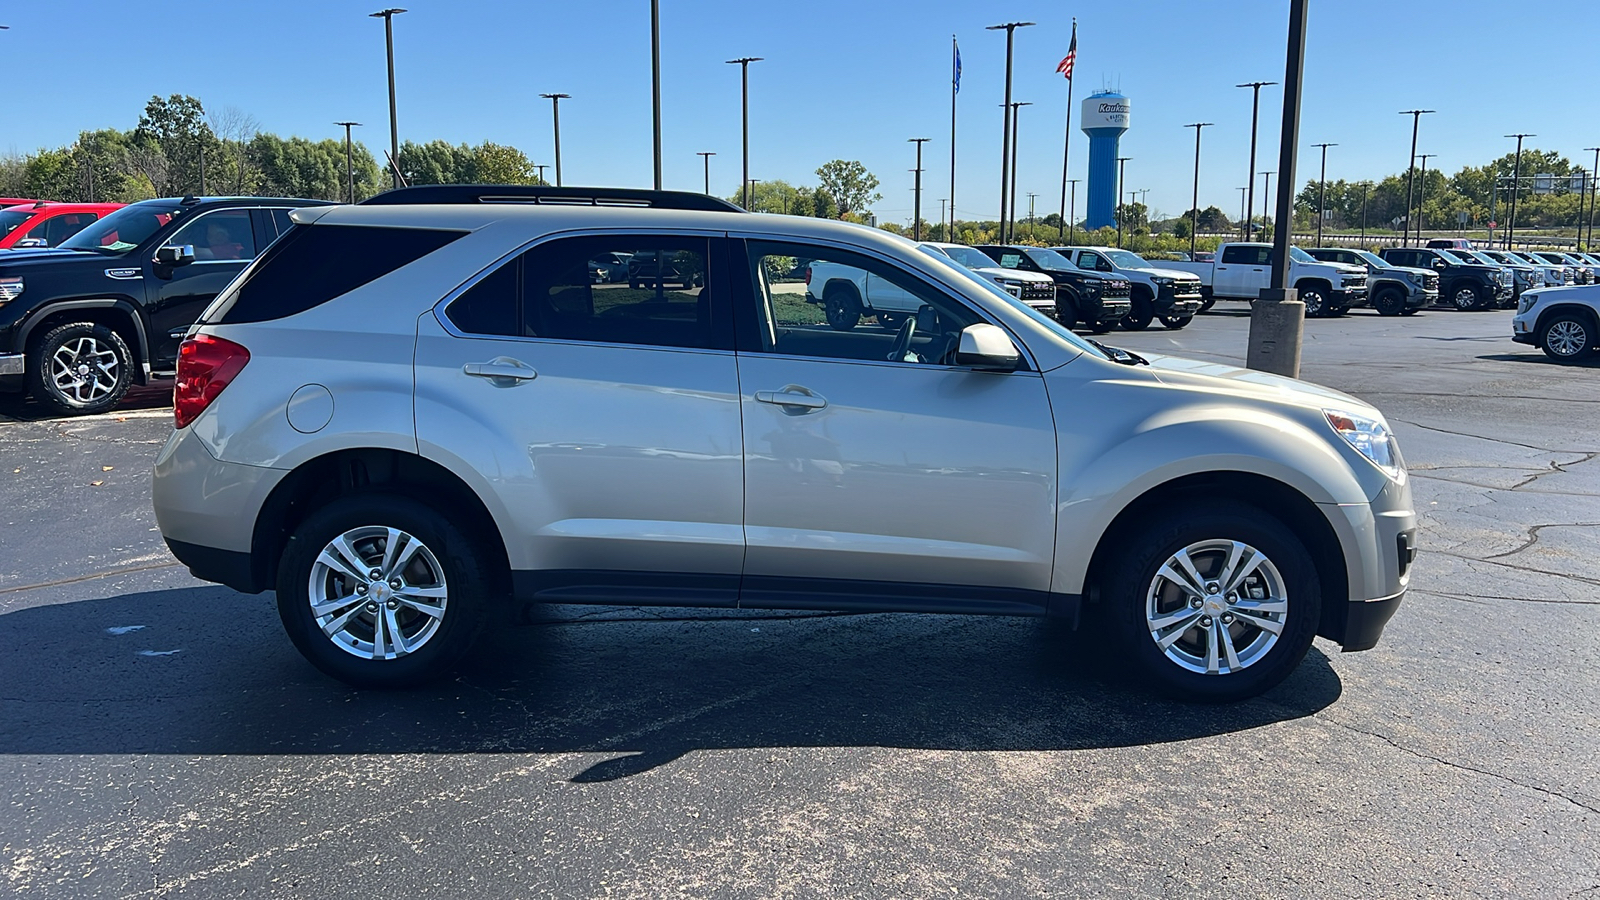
column 208, row 672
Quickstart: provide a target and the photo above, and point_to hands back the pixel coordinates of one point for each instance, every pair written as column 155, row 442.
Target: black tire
column 1567, row 337
column 1131, row 573
column 1410, row 312
column 1389, row 301
column 1176, row 322
column 1099, row 327
column 1141, row 315
column 466, row 572
column 1466, row 297
column 841, row 307
column 91, row 349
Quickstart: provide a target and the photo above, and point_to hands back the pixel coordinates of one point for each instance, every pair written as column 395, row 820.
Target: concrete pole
column 1277, row 319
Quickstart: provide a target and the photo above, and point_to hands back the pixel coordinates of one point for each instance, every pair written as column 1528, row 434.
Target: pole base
column 1277, row 321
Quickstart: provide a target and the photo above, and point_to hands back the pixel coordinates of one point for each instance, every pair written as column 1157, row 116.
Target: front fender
column 1158, row 439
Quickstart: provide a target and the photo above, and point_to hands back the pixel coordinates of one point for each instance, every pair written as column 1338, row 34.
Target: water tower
column 1104, row 118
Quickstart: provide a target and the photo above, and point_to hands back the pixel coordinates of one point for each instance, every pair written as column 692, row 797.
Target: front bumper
column 1348, row 297
column 1169, row 302
column 1422, row 299
column 12, row 368
column 1108, row 309
column 1524, row 338
column 1379, row 543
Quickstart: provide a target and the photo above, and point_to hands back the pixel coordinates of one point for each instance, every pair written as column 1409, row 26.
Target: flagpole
column 955, row 85
column 1066, row 143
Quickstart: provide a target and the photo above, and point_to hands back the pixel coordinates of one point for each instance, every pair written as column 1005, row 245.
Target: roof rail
column 553, row 196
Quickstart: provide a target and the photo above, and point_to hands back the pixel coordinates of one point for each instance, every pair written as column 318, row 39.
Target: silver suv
column 409, row 413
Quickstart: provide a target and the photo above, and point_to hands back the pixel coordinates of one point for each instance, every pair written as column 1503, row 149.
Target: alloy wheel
column 1465, row 298
column 1216, row 606
column 1567, row 338
column 378, row 592
column 84, row 370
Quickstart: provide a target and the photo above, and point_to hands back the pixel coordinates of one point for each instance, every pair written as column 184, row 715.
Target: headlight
column 10, row 289
column 1526, row 301
column 1370, row 437
column 1014, row 288
column 1164, row 282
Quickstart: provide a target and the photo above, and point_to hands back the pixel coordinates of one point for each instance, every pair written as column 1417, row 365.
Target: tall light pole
column 1411, row 168
column 349, row 163
column 1266, row 189
column 555, row 111
column 945, row 228
column 705, row 157
column 387, row 15
column 1194, row 211
column 655, row 83
column 540, row 167
column 1365, row 187
column 1322, row 198
column 1516, row 186
column 1277, row 318
column 1010, row 28
column 1243, row 210
column 1122, row 175
column 1031, row 195
column 1250, row 177
column 1422, row 194
column 751, row 185
column 1072, row 210
column 1016, row 124
column 916, row 206
column 1594, row 177
column 743, row 63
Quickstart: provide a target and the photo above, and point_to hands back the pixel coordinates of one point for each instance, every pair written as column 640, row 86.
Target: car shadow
column 155, row 395
column 204, row 670
column 1538, row 357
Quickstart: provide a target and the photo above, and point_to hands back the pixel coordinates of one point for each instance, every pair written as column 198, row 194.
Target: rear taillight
column 808, row 276
column 205, row 366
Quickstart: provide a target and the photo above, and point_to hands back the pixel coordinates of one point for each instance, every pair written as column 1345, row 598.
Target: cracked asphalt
column 159, row 737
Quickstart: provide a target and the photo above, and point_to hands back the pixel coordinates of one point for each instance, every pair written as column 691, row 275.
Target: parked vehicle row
column 1167, row 294
column 1242, row 270
column 506, row 430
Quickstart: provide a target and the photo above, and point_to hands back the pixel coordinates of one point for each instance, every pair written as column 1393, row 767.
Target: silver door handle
column 789, row 397
column 501, row 369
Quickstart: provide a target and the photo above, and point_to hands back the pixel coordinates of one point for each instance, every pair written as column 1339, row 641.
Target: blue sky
column 841, row 79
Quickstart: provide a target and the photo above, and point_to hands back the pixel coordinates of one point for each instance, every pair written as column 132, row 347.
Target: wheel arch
column 843, row 284
column 116, row 313
column 1273, row 497
column 319, row 481
column 1587, row 312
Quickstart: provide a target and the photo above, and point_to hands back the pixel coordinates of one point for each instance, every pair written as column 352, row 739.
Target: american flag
column 1065, row 68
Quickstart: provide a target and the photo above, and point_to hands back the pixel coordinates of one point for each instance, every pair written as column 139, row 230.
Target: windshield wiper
column 1119, row 355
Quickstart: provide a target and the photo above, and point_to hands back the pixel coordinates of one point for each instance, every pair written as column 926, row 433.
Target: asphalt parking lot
column 160, row 737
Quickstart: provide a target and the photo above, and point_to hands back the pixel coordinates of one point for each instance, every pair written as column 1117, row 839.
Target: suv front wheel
column 80, row 368
column 382, row 591
column 1217, row 602
column 1567, row 338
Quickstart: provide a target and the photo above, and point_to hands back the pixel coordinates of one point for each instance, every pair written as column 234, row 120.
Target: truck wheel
column 80, row 368
column 1215, row 602
column 841, row 307
column 1389, row 301
column 381, row 591
column 1176, row 322
column 1141, row 315
column 1067, row 314
column 1315, row 300
column 1207, row 300
column 1465, row 298
column 1567, row 338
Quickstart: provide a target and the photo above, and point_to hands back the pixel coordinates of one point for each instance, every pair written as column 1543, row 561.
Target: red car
column 47, row 224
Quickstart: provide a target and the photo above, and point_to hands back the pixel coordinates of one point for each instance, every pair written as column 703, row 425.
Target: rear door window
column 313, row 264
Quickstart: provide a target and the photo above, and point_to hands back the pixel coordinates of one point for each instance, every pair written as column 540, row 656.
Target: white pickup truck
column 1242, row 270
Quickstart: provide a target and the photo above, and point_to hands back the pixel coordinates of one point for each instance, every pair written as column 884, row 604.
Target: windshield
column 1048, row 259
column 1126, row 260
column 1451, row 257
column 121, row 231
column 1478, row 257
column 11, row 218
column 966, row 256
column 1298, row 255
column 1373, row 259
column 994, row 291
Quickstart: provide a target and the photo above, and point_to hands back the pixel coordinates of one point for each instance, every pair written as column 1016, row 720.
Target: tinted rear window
column 313, row 264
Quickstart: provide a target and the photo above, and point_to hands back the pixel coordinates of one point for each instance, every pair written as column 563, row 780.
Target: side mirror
column 174, row 255
column 987, row 348
column 1438, row 263
column 30, row 242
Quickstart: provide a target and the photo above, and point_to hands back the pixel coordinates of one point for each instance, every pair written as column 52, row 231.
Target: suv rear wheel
column 80, row 368
column 841, row 307
column 1215, row 602
column 382, row 591
column 1567, row 338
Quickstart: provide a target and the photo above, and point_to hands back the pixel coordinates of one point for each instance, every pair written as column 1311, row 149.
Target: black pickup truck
column 1097, row 301
column 106, row 310
column 1462, row 285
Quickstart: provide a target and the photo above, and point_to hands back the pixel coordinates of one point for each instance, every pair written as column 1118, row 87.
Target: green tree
column 175, row 130
column 822, row 205
column 851, row 186
column 501, row 164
